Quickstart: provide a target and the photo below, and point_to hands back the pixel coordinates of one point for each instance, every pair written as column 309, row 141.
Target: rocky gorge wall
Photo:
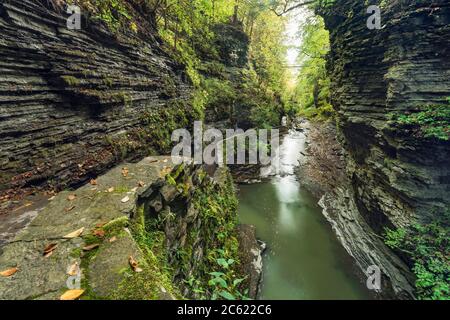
column 75, row 102
column 395, row 178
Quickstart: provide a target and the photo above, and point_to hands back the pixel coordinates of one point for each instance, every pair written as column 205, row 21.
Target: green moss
column 108, row 82
column 156, row 273
column 116, row 226
column 70, row 81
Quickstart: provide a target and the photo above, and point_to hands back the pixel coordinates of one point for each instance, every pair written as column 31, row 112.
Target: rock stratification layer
column 74, row 102
column 396, row 178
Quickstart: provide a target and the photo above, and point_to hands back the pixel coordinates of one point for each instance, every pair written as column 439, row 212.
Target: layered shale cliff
column 75, row 102
column 395, row 177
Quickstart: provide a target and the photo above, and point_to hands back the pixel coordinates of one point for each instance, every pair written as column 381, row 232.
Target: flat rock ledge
column 108, row 200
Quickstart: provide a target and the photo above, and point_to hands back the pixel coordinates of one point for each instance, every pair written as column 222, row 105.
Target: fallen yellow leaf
column 113, row 239
column 141, row 184
column 72, row 294
column 126, row 199
column 91, row 247
column 125, row 172
column 111, row 189
column 71, row 197
column 93, row 182
column 74, row 234
column 9, row 272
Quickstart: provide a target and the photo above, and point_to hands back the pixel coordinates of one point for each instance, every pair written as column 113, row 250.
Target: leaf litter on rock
column 74, row 234
column 48, row 251
column 91, row 247
column 72, row 294
column 9, row 272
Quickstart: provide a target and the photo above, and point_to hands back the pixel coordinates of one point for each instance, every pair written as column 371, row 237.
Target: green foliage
column 427, row 246
column 311, row 97
column 211, row 37
column 114, row 13
column 265, row 80
column 429, row 121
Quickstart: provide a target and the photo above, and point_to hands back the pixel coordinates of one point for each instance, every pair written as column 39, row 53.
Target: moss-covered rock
column 135, row 241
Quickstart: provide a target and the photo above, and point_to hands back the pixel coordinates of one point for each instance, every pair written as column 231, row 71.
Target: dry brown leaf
column 99, row 233
column 91, row 247
column 93, row 182
column 51, row 198
column 69, row 209
column 125, row 172
column 111, row 189
column 113, row 239
column 73, row 269
column 134, row 265
column 9, row 272
column 71, row 197
column 141, row 184
column 74, row 234
column 154, row 160
column 100, row 225
column 48, row 251
column 125, row 200
column 72, row 294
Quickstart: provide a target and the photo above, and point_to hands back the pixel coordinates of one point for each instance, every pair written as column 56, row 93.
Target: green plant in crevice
column 215, row 204
column 427, row 250
column 431, row 121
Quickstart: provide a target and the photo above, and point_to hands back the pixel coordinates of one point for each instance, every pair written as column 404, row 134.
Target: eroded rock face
column 395, row 178
column 250, row 254
column 75, row 102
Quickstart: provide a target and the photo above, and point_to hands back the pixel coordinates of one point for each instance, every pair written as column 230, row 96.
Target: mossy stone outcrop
column 124, row 230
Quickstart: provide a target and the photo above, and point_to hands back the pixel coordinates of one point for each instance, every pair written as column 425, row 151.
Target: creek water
column 303, row 259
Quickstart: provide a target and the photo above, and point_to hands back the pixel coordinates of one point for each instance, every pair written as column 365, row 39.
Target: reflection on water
column 303, row 259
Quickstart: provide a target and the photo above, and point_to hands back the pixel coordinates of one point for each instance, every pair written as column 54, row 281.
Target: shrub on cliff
column 428, row 122
column 427, row 249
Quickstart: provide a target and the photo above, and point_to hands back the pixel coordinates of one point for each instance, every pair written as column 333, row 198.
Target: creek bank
column 323, row 172
column 174, row 221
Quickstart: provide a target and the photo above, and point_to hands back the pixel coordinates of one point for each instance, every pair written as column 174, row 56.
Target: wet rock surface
column 251, row 258
column 124, row 230
column 112, row 198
